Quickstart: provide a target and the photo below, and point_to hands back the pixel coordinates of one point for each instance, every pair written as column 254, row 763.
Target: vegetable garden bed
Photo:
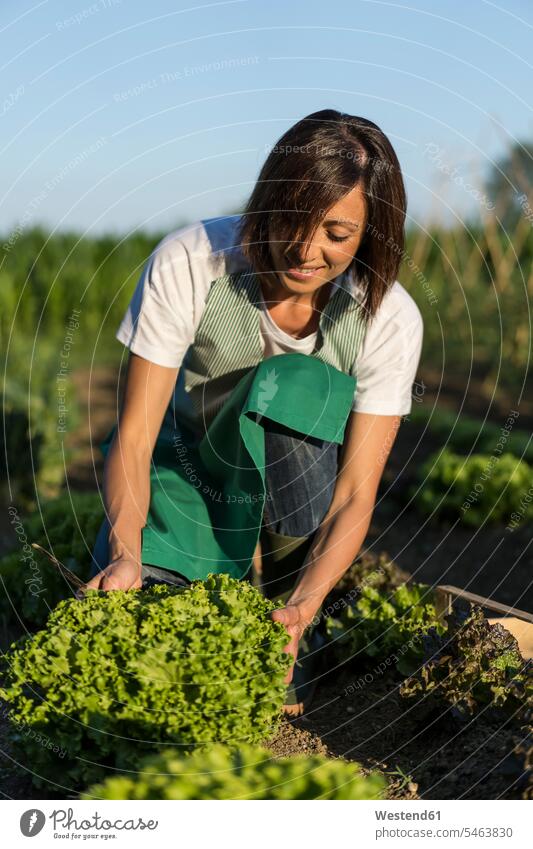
column 447, row 762
column 437, row 708
column 358, row 713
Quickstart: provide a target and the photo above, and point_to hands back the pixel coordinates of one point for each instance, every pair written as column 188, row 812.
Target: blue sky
column 119, row 115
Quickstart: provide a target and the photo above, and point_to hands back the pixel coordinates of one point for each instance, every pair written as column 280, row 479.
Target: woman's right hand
column 146, row 396
column 121, row 574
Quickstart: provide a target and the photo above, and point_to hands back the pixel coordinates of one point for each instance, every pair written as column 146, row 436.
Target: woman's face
column 306, row 267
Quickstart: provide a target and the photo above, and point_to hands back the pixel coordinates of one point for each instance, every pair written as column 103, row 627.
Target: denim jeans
column 300, row 476
column 301, row 472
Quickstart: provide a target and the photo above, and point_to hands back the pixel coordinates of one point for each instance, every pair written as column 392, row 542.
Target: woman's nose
column 301, row 253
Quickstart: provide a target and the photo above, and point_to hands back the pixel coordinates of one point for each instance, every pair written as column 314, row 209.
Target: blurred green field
column 44, row 281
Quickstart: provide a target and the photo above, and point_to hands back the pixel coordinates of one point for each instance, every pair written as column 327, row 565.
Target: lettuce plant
column 368, row 570
column 382, row 625
column 246, row 772
column 119, row 672
column 480, row 488
column 472, row 665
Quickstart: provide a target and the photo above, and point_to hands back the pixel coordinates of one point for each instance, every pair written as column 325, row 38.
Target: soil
column 99, row 391
column 371, row 725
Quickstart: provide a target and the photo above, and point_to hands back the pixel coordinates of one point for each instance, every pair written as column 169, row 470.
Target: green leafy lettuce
column 117, row 673
column 368, row 570
column 382, row 625
column 246, row 772
column 480, row 488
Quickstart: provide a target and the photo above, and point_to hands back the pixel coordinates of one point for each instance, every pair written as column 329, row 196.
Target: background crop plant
column 30, row 585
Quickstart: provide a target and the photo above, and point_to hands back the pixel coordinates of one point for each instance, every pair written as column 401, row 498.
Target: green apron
column 208, row 494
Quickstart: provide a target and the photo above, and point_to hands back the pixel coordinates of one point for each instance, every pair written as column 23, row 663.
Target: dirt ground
column 422, row 760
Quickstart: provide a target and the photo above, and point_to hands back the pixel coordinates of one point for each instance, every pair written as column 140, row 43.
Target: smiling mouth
column 303, row 272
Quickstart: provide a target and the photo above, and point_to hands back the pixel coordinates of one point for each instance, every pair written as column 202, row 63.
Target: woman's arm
column 368, row 441
column 127, row 470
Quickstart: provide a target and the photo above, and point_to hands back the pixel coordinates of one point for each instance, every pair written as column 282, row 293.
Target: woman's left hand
column 296, row 621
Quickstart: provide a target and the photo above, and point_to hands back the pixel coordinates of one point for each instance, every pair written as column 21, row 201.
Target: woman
column 272, row 358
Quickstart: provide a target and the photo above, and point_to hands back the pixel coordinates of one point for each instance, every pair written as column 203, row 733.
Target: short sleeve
column 389, row 358
column 158, row 324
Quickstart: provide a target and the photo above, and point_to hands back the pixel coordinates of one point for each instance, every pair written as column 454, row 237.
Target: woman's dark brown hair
column 312, row 166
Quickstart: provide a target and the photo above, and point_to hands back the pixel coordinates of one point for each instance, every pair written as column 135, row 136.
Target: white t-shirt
column 277, row 341
column 167, row 305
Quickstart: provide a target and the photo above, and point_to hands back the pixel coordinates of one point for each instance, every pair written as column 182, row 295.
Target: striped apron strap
column 228, row 340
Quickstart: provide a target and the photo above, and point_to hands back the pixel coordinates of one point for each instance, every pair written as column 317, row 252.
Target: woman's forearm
column 336, row 544
column 126, row 497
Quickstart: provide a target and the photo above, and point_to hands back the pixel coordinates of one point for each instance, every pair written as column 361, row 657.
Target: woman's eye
column 337, row 238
